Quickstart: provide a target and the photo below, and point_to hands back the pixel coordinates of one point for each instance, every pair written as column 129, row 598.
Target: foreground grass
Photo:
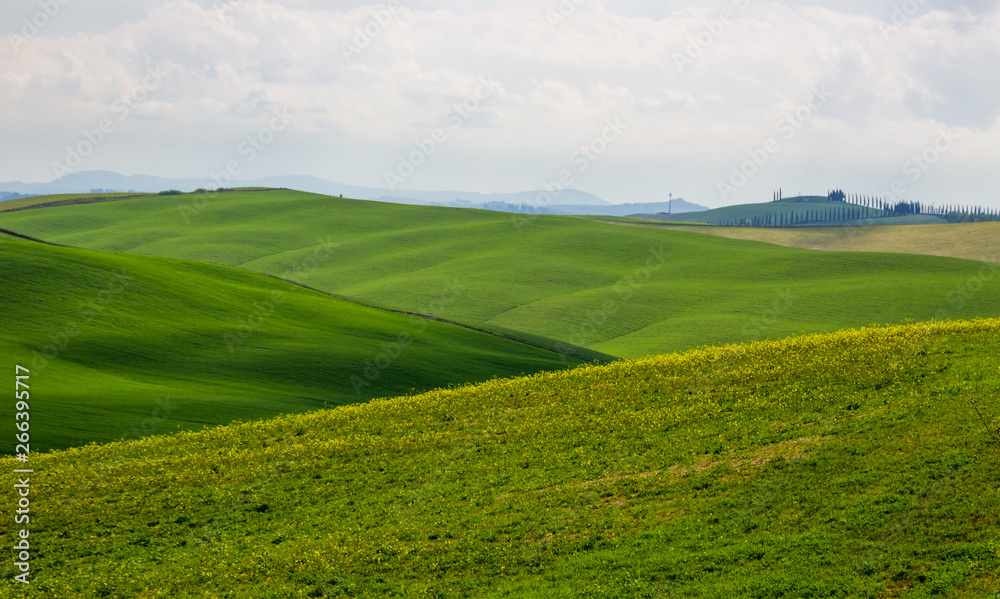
column 625, row 291
column 838, row 465
column 124, row 346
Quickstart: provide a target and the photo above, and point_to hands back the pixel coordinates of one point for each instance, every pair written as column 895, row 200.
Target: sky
column 717, row 102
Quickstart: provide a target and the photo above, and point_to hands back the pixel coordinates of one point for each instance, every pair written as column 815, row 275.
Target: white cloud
column 558, row 82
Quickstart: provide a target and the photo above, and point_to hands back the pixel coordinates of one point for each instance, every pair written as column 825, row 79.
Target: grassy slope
column 973, row 241
column 123, row 332
column 842, row 465
column 559, row 277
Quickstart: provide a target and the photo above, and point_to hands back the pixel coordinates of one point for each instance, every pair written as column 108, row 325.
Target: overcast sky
column 667, row 96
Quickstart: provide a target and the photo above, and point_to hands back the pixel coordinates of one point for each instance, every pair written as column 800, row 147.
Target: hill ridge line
column 76, row 201
column 85, row 198
column 432, row 318
column 29, row 238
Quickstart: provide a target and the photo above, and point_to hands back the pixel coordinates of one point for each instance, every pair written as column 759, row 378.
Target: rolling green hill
column 626, row 291
column 122, row 345
column 791, row 212
column 840, row 465
column 813, row 211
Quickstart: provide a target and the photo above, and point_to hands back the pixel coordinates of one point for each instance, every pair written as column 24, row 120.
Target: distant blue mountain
column 569, row 201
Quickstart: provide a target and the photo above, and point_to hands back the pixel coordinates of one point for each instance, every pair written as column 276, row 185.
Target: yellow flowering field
column 850, row 464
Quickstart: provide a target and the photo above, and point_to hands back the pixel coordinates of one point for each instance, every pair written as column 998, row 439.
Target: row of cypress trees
column 861, row 206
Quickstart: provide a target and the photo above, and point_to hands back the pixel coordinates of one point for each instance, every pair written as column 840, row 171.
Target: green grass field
column 841, row 465
column 123, row 345
column 626, row 291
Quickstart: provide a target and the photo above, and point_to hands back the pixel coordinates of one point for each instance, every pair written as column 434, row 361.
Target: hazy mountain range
column 569, row 201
